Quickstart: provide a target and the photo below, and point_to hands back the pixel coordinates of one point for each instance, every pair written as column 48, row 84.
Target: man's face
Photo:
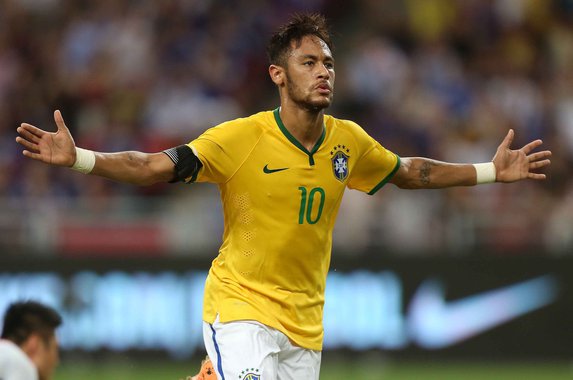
column 48, row 358
column 310, row 74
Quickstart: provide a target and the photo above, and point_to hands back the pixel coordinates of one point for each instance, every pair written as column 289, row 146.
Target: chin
column 318, row 105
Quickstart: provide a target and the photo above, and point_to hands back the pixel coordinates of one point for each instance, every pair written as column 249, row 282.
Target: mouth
column 324, row 89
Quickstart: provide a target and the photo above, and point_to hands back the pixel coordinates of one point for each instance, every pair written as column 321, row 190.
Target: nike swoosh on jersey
column 435, row 323
column 269, row 171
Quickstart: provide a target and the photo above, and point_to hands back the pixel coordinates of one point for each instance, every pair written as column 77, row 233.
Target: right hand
column 55, row 148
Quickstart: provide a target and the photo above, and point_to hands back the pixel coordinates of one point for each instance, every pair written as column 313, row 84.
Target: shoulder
column 342, row 125
column 247, row 130
column 15, row 361
column 9, row 348
column 234, row 138
column 252, row 124
column 347, row 127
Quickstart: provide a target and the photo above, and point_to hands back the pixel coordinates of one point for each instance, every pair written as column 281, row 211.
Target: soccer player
column 281, row 175
column 28, row 346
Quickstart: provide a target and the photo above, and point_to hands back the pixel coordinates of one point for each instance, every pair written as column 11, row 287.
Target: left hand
column 515, row 165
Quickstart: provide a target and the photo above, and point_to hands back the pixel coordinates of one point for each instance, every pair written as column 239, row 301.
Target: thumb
column 506, row 143
column 60, row 121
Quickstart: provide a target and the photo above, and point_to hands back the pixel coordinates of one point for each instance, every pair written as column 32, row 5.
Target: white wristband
column 485, row 173
column 85, row 161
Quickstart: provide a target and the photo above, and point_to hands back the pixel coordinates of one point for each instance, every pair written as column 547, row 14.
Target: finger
column 60, row 121
column 28, row 135
column 506, row 143
column 27, row 144
column 539, row 164
column 532, row 145
column 539, row 156
column 33, row 130
column 35, row 156
column 537, row 176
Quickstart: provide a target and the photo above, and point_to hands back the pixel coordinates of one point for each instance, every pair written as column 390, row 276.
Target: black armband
column 187, row 164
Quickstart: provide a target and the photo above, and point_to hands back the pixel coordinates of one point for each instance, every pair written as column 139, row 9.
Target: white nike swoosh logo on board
column 435, row 323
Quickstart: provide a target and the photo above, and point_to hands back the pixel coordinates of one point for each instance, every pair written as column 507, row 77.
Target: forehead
column 310, row 45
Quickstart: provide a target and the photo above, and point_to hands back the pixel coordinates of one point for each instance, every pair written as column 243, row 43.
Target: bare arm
column 425, row 173
column 58, row 148
column 134, row 167
column 510, row 166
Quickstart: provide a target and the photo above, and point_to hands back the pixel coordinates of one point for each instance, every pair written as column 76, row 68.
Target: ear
column 277, row 74
column 31, row 345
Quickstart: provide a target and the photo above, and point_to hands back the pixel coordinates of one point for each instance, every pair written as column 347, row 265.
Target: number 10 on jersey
column 307, row 202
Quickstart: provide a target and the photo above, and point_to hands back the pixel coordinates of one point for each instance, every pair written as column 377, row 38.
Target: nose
column 323, row 71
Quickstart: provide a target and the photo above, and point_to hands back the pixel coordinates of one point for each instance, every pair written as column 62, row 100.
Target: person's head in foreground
column 32, row 327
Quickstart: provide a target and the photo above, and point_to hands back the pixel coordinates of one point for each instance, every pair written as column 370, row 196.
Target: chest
column 278, row 174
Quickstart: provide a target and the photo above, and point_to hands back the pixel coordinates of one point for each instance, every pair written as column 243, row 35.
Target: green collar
column 297, row 143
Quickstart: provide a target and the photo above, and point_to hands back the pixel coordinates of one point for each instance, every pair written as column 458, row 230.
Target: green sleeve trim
column 388, row 177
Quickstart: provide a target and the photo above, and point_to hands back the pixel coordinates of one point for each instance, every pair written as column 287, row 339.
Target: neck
column 305, row 125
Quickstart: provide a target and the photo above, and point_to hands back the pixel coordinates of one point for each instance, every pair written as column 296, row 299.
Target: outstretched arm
column 58, row 148
column 508, row 166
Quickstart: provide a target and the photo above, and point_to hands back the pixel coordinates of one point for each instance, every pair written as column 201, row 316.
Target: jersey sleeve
column 222, row 150
column 374, row 168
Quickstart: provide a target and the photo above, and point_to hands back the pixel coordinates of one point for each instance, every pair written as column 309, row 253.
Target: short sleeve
column 374, row 168
column 224, row 148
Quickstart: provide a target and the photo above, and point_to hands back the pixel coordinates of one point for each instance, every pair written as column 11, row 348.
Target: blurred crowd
column 438, row 78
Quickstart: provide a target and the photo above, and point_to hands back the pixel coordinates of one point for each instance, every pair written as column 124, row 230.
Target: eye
column 308, row 63
column 329, row 65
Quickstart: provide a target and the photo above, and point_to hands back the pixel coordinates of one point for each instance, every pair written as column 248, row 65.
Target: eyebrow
column 315, row 58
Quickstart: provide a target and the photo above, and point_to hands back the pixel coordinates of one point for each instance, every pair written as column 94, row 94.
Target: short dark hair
column 299, row 26
column 23, row 319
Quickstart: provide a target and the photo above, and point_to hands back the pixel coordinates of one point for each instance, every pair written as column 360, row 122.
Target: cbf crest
column 250, row 374
column 340, row 156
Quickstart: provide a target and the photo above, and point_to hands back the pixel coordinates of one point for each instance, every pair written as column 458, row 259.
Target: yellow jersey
column 280, row 203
